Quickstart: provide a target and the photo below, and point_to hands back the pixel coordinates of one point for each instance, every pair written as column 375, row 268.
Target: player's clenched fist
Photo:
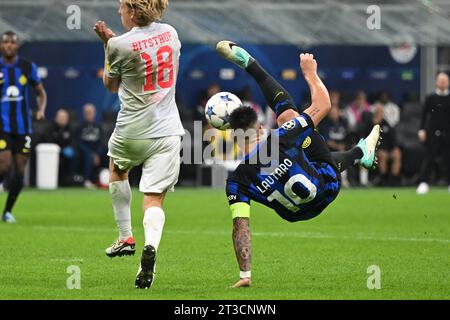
column 308, row 64
column 103, row 31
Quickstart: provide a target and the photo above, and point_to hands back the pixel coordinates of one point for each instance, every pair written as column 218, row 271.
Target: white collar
column 442, row 92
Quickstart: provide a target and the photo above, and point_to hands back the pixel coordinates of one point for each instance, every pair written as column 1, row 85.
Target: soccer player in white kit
column 142, row 66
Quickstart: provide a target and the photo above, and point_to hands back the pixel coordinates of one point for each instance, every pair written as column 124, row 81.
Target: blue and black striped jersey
column 15, row 80
column 299, row 180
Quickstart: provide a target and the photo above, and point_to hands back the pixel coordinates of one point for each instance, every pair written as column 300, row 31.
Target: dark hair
column 243, row 118
column 9, row 33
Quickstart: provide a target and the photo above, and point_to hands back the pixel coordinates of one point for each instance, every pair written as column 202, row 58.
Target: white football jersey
column 146, row 60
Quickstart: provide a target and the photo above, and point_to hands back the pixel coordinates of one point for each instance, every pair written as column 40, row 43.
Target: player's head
column 141, row 12
column 384, row 97
column 335, row 97
column 244, row 118
column 9, row 44
column 89, row 112
column 378, row 114
column 247, row 128
column 442, row 81
column 334, row 113
column 360, row 99
column 62, row 118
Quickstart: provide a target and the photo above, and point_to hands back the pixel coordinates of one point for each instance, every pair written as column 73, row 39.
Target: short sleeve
column 295, row 131
column 112, row 59
column 34, row 76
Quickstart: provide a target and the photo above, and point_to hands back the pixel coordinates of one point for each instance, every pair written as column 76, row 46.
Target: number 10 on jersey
column 163, row 70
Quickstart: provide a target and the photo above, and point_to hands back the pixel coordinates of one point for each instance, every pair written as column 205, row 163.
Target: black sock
column 276, row 96
column 15, row 186
column 348, row 158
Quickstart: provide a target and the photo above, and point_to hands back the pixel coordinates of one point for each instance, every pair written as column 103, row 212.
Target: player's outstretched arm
column 242, row 240
column 320, row 99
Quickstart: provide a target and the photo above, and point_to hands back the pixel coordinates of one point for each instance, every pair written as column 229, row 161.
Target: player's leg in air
column 282, row 104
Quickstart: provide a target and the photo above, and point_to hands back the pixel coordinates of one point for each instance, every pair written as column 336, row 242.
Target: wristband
column 245, row 274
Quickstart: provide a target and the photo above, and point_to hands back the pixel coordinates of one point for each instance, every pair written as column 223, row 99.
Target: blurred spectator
column 389, row 154
column 435, row 130
column 391, row 110
column 409, row 121
column 334, row 130
column 354, row 112
column 186, row 114
column 91, row 149
column 335, row 98
column 412, row 150
column 61, row 133
column 224, row 146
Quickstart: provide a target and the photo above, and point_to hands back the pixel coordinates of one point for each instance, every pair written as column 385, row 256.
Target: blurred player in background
column 306, row 177
column 91, row 149
column 16, row 76
column 435, row 131
column 142, row 66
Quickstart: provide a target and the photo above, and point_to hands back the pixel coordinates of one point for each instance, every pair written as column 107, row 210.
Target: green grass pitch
column 407, row 236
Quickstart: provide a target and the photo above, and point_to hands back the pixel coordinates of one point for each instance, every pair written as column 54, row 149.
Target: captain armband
column 240, row 210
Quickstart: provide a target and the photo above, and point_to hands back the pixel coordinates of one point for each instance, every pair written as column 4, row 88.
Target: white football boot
column 423, row 188
column 369, row 147
column 121, row 248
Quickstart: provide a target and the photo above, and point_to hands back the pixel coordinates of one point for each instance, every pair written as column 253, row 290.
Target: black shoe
column 146, row 272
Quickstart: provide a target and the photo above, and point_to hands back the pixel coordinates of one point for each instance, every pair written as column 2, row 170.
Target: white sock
column 153, row 226
column 121, row 201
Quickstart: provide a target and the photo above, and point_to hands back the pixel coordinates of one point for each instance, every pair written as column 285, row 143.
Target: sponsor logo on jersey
column 306, row 143
column 12, row 94
column 23, row 80
column 232, row 197
column 289, row 125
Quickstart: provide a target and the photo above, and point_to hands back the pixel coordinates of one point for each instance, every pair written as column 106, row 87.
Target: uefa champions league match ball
column 219, row 107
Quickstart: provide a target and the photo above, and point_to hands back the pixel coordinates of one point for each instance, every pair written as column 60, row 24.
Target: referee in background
column 435, row 131
column 17, row 75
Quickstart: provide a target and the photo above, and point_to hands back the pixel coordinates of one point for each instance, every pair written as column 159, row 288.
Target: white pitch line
column 315, row 235
column 67, row 260
column 303, row 235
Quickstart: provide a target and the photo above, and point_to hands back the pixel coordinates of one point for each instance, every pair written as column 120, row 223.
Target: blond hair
column 147, row 11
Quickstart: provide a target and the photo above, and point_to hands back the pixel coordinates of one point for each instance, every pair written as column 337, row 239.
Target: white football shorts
column 160, row 158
